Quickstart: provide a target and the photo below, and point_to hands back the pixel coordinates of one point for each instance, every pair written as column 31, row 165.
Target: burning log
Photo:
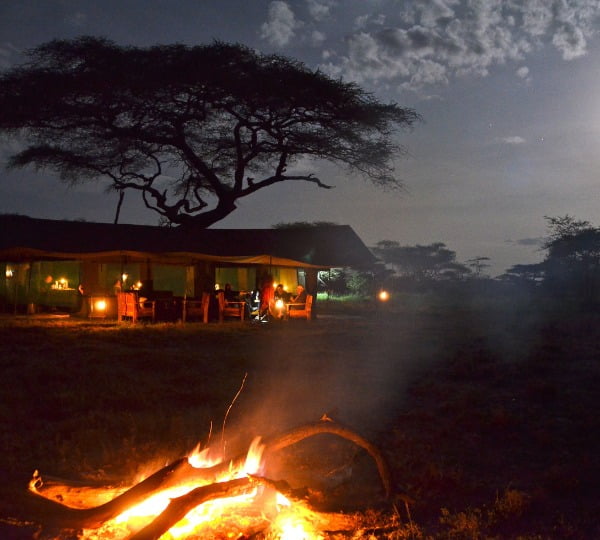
column 180, row 506
column 57, row 515
column 207, row 480
column 281, row 441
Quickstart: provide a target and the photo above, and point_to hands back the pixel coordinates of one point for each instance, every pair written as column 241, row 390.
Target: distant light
column 383, row 295
column 9, row 272
column 124, row 277
column 99, row 307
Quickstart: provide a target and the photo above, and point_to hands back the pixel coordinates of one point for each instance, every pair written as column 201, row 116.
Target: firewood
column 288, row 438
column 180, row 506
column 54, row 514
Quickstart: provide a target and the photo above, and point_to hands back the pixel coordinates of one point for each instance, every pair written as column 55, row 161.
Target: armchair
column 131, row 306
column 301, row 311
column 235, row 310
column 198, row 309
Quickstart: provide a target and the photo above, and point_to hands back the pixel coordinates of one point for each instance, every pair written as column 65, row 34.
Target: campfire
column 200, row 496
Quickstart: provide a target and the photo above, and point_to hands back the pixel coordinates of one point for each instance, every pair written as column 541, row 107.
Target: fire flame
column 228, row 517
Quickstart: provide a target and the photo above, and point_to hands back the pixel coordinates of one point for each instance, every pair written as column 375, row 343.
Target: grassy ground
column 487, row 415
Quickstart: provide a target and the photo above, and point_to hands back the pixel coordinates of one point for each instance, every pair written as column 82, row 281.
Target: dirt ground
column 486, row 417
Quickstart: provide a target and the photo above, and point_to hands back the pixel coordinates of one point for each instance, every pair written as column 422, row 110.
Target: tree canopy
column 433, row 261
column 192, row 129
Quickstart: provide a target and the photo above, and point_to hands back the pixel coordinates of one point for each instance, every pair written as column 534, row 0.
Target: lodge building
column 53, row 264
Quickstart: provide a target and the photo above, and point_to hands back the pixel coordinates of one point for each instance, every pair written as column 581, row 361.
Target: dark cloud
column 533, row 242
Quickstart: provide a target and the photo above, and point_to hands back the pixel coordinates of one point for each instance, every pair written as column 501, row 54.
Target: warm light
column 61, row 283
column 9, row 272
column 288, row 520
column 100, row 305
column 282, row 500
column 124, row 277
column 254, row 457
column 137, row 286
column 200, row 459
column 279, row 303
column 384, row 296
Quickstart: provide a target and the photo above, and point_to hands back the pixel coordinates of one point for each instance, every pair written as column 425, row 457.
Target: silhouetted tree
column 433, row 261
column 572, row 264
column 478, row 264
column 564, row 227
column 334, row 281
column 193, row 129
column 525, row 274
column 302, row 224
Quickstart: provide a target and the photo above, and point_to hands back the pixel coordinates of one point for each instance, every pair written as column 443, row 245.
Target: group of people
column 272, row 302
column 283, row 301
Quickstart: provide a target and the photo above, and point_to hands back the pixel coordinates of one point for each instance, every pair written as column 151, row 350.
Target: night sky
column 508, row 91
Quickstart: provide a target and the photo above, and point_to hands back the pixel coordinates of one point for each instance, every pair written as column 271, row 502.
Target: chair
column 131, row 306
column 235, row 310
column 197, row 309
column 301, row 311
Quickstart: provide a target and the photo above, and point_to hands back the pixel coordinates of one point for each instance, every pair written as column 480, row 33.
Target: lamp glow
column 383, row 295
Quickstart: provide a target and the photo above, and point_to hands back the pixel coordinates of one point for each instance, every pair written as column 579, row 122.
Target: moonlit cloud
column 77, row 19
column 281, row 24
column 429, row 43
column 319, row 9
column 317, row 38
column 514, row 139
column 363, row 20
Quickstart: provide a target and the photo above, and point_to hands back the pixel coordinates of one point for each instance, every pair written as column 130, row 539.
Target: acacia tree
column 433, row 261
column 572, row 263
column 193, row 129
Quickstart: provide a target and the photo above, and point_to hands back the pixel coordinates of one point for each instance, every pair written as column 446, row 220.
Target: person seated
column 280, row 293
column 277, row 304
column 230, row 294
column 300, row 298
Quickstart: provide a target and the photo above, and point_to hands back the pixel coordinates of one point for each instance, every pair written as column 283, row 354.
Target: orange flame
column 229, row 517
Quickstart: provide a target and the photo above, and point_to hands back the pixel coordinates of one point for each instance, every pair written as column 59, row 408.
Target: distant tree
column 564, row 227
column 572, row 263
column 478, row 264
column 433, row 261
column 334, row 281
column 529, row 274
column 302, row 224
column 191, row 129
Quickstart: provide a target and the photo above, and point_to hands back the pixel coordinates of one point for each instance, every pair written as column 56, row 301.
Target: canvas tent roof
column 325, row 246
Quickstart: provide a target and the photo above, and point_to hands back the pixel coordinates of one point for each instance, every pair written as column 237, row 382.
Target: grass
column 486, row 414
